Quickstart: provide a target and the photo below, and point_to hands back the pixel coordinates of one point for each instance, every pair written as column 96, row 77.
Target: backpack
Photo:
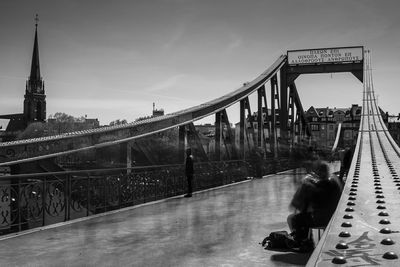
column 276, row 239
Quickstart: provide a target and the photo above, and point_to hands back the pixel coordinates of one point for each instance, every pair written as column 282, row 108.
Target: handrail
column 107, row 170
column 126, row 132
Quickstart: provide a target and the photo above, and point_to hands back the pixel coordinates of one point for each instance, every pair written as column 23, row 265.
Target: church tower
column 35, row 98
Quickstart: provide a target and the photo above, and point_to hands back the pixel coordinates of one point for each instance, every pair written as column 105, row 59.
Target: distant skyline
column 112, row 60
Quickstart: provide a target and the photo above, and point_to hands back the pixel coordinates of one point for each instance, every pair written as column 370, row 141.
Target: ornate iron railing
column 35, row 200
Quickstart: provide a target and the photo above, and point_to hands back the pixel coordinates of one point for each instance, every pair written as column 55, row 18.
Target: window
column 314, row 119
column 314, row 127
column 330, row 127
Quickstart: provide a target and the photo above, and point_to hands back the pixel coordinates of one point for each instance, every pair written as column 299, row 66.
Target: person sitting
column 314, row 203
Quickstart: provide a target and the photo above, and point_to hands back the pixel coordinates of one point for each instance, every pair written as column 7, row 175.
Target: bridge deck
column 213, row 228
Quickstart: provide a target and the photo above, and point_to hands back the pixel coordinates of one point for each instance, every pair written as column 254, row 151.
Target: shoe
column 188, row 195
column 292, row 243
column 306, row 246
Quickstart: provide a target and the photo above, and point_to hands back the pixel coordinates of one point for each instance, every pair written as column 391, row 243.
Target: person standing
column 189, row 171
column 345, row 164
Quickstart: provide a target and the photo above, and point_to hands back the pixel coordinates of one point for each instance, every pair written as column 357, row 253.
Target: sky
column 112, row 59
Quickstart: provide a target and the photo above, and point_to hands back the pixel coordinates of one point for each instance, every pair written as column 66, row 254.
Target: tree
column 34, row 130
column 118, row 122
column 61, row 117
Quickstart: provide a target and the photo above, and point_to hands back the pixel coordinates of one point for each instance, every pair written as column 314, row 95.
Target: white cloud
column 167, row 84
column 235, row 42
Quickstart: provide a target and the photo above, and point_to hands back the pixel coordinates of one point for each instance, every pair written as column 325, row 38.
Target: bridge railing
column 34, row 200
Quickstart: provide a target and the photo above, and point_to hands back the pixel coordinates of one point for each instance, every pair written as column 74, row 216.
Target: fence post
column 66, row 197
column 19, row 204
column 44, row 201
column 88, row 195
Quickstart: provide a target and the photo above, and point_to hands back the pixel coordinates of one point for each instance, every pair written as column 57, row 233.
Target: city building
column 393, row 125
column 157, row 112
column 325, row 122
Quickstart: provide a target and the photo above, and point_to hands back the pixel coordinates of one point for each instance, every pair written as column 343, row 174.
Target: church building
column 34, row 100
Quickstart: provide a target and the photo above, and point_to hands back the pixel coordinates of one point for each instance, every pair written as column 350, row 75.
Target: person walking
column 189, row 171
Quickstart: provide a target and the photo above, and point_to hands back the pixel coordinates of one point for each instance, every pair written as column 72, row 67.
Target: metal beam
column 260, row 119
column 242, row 129
column 299, row 107
column 230, row 136
column 325, row 68
column 292, row 111
column 217, row 136
column 283, row 112
column 249, row 129
column 182, row 143
column 273, row 143
column 195, row 143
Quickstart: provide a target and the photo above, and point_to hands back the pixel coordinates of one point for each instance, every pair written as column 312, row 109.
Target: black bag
column 276, row 239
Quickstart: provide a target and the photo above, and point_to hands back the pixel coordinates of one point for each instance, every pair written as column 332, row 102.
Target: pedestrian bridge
column 216, row 227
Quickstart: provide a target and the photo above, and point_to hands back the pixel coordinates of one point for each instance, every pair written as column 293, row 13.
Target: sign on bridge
column 325, row 55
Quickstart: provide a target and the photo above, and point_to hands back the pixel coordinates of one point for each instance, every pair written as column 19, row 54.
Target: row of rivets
column 387, row 241
column 353, row 190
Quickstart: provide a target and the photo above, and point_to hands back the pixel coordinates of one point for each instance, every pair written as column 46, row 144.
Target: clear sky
column 113, row 59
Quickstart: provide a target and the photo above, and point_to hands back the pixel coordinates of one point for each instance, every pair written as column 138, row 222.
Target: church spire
column 35, row 67
column 35, row 98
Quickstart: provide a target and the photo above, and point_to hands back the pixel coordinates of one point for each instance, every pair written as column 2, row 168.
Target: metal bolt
column 342, row 245
column 348, row 216
column 387, row 241
column 344, row 234
column 385, row 231
column 339, row 260
column 346, row 224
column 389, row 256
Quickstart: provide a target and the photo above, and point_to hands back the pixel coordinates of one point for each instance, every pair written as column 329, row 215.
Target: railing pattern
column 35, row 200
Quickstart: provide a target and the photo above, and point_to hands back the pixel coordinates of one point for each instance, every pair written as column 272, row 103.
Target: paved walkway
column 221, row 227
